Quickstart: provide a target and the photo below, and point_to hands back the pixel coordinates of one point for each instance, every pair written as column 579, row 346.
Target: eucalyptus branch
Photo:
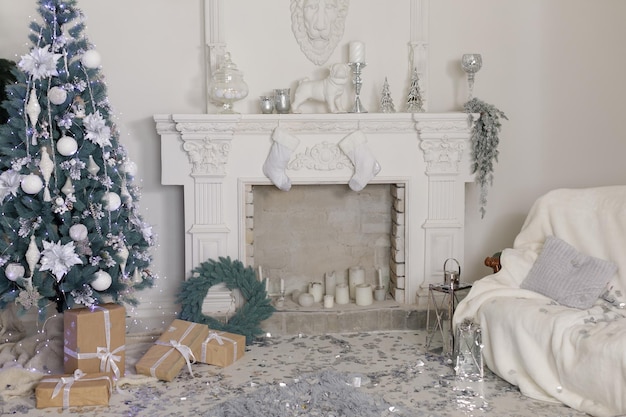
column 485, row 140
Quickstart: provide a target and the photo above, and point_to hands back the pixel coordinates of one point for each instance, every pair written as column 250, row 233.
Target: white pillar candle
column 364, row 295
column 282, row 285
column 330, row 281
column 380, row 278
column 329, row 300
column 342, row 294
column 356, row 276
column 260, row 274
column 316, row 289
column 267, row 286
column 357, row 52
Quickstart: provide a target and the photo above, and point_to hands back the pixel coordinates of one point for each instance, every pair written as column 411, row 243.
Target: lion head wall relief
column 318, row 26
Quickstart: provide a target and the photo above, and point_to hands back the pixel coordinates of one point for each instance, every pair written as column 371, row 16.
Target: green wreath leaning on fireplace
column 246, row 320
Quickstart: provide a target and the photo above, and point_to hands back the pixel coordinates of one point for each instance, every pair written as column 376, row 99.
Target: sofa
column 552, row 318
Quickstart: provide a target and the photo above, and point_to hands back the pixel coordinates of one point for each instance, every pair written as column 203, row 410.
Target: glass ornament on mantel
column 471, row 64
column 227, row 85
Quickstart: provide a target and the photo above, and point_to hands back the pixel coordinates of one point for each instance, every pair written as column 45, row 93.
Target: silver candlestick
column 471, row 63
column 356, row 70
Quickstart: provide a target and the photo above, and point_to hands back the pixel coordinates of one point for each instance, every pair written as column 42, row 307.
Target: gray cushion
column 567, row 276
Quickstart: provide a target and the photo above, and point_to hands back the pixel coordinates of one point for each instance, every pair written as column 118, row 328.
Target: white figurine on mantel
column 330, row 90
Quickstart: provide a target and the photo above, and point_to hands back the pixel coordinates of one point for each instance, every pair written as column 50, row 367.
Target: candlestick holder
column 356, row 70
column 471, row 64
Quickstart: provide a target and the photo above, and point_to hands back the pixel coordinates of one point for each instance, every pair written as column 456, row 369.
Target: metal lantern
column 452, row 276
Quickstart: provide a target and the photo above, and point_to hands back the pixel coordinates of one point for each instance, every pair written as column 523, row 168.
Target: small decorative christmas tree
column 386, row 102
column 71, row 233
column 414, row 102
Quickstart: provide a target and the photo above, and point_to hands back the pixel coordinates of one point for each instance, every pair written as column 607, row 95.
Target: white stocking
column 365, row 165
column 276, row 162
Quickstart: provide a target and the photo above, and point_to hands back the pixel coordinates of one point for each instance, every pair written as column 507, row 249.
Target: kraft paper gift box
column 77, row 389
column 179, row 345
column 222, row 348
column 94, row 339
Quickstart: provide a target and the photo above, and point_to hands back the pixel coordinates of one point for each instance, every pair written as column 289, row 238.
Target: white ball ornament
column 91, row 59
column 102, row 281
column 78, row 232
column 57, row 95
column 112, row 201
column 67, row 146
column 32, row 184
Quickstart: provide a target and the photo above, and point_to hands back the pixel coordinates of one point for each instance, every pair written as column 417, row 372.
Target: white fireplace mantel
column 215, row 157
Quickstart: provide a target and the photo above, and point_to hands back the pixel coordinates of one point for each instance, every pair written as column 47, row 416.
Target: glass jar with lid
column 227, row 85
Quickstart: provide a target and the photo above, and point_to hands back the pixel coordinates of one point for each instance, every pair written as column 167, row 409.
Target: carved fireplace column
column 445, row 145
column 206, row 146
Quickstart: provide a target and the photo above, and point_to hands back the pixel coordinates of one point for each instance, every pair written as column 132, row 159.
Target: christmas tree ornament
column 365, row 165
column 78, row 232
column 414, row 102
column 14, row 271
column 67, row 146
column 46, row 166
column 31, row 184
column 122, row 254
column 92, row 167
column 78, row 107
column 126, row 197
column 91, row 59
column 102, row 281
column 32, row 256
column 57, row 95
column 278, row 158
column 386, row 102
column 137, row 278
column 33, row 108
column 68, row 187
column 58, row 258
column 112, row 201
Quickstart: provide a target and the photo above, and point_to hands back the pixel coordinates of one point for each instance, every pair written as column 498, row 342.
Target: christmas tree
column 414, row 102
column 71, row 233
column 386, row 102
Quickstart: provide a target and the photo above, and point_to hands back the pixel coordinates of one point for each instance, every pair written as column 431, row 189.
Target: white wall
column 554, row 67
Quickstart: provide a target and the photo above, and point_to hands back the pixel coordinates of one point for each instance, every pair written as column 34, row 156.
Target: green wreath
column 246, row 320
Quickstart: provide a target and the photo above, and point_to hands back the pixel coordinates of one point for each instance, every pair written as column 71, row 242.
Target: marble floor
column 390, row 364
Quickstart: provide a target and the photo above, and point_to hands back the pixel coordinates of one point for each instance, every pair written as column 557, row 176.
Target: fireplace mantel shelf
column 217, row 157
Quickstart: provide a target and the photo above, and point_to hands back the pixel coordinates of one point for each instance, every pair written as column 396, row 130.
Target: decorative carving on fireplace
column 207, row 157
column 323, row 156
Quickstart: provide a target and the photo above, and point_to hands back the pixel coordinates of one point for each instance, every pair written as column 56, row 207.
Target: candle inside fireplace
column 282, row 285
column 357, row 52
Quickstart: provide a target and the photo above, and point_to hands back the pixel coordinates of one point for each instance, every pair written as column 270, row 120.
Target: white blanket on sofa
column 552, row 352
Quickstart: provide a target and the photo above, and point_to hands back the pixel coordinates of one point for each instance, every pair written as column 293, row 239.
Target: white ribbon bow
column 65, row 383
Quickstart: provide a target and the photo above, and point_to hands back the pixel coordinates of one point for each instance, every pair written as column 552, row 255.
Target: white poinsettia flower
column 40, row 63
column 97, row 130
column 9, row 183
column 58, row 258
